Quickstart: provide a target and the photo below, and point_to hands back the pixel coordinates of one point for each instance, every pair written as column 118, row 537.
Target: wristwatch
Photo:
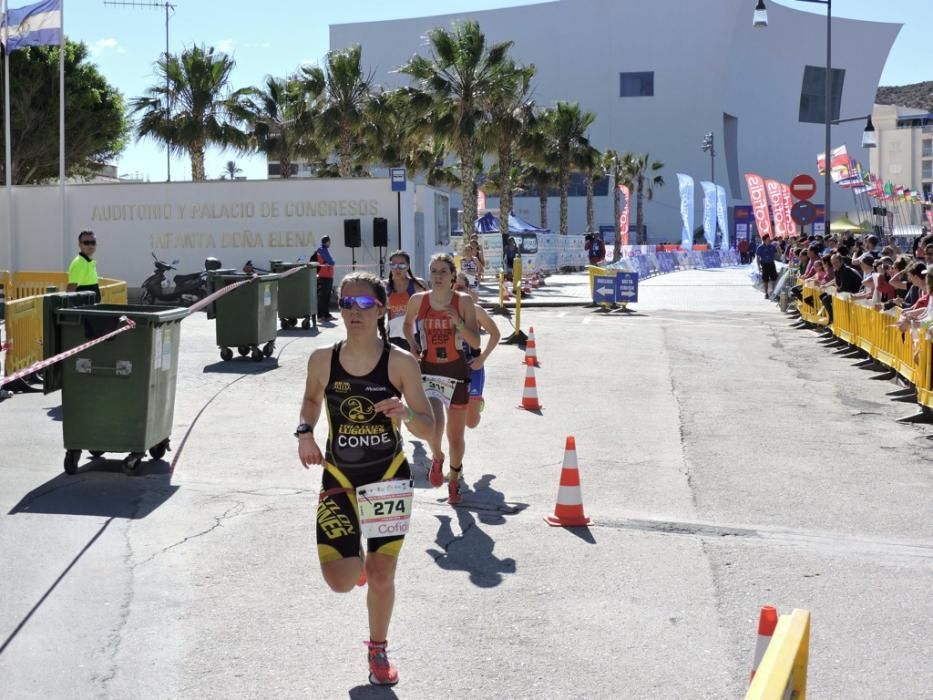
column 304, row 429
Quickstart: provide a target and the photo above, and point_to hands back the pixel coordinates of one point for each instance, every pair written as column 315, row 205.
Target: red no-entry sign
column 803, row 187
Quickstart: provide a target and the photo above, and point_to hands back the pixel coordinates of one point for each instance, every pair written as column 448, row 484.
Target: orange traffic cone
column 767, row 621
column 569, row 509
column 530, row 392
column 531, row 352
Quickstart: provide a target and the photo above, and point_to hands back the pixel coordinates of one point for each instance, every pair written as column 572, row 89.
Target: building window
column 575, row 188
column 813, row 94
column 927, row 170
column 636, row 84
column 927, row 149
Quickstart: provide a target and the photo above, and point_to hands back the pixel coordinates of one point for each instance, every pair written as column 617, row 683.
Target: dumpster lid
column 137, row 313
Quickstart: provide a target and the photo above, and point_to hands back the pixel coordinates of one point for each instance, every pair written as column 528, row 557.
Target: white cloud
column 108, row 44
column 224, row 45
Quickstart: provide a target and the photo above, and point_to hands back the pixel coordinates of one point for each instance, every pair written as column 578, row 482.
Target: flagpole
column 61, row 136
column 8, row 159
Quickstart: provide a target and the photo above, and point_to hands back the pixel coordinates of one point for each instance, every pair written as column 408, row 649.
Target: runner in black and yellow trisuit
column 359, row 382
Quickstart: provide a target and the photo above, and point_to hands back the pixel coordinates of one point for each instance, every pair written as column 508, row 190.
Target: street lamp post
column 710, row 147
column 761, row 20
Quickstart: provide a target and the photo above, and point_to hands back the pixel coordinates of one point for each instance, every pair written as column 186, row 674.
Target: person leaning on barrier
column 845, row 279
column 82, row 272
column 922, row 311
column 915, row 273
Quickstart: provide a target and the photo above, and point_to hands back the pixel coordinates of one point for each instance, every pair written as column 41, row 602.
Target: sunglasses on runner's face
column 399, row 266
column 362, row 303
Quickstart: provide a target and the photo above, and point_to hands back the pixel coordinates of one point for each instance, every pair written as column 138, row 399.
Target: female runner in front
column 400, row 286
column 447, row 319
column 475, row 358
column 359, row 384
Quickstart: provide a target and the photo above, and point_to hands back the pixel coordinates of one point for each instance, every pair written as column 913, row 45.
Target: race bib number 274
column 385, row 507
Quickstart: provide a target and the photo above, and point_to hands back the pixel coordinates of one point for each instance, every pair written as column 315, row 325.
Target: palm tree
column 191, row 107
column 511, row 115
column 460, row 77
column 589, row 162
column 343, row 96
column 278, row 121
column 539, row 164
column 567, row 130
column 231, row 170
column 636, row 173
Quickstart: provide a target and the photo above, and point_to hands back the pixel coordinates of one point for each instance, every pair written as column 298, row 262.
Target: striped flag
column 34, row 25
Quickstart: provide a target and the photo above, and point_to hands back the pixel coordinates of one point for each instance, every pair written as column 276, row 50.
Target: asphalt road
column 727, row 461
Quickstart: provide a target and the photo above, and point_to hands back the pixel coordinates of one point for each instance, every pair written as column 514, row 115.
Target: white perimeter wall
column 234, row 221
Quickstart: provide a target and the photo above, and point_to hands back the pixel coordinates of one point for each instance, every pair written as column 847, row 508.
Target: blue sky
column 125, row 42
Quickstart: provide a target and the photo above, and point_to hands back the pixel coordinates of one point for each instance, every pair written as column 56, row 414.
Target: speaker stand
column 382, row 262
column 352, row 259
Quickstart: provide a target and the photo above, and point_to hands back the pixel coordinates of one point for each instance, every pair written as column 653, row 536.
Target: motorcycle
column 185, row 289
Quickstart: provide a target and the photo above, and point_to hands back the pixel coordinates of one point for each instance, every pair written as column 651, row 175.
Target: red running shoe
column 381, row 672
column 436, row 473
column 453, row 487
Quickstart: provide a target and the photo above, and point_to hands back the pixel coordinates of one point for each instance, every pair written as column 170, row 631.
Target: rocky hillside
column 918, row 96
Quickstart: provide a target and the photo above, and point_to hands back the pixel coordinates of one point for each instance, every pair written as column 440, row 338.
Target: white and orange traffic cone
column 767, row 621
column 530, row 391
column 531, row 350
column 569, row 509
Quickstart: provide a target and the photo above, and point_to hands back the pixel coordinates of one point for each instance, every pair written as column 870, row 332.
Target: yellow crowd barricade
column 782, row 672
column 923, row 369
column 23, row 311
column 811, row 307
column 859, row 323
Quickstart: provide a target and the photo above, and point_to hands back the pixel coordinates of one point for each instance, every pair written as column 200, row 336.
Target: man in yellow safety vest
column 82, row 273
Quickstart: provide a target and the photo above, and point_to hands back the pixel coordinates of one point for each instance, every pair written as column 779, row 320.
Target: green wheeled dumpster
column 297, row 294
column 118, row 395
column 246, row 317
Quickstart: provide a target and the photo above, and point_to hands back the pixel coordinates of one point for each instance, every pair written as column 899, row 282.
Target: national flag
column 888, row 190
column 34, row 25
column 839, row 164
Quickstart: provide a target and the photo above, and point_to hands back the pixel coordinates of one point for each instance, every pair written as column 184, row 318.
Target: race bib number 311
column 385, row 507
column 436, row 387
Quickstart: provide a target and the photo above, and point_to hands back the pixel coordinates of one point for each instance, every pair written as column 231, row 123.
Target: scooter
column 186, row 290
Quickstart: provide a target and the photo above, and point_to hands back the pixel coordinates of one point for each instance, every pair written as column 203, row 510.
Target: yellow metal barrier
column 783, row 670
column 811, row 308
column 923, row 370
column 23, row 311
column 24, row 331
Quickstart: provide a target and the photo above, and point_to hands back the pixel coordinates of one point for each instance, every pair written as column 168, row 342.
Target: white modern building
column 905, row 151
column 659, row 74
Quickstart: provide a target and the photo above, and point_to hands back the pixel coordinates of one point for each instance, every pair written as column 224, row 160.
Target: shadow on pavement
column 100, row 488
column 583, row 533
column 242, row 365
column 472, row 550
column 55, row 413
column 364, row 692
column 419, row 465
column 298, row 333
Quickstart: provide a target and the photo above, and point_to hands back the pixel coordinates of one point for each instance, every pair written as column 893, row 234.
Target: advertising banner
column 783, row 227
column 788, row 204
column 686, row 210
column 743, row 218
column 709, row 212
column 721, row 203
column 626, row 210
column 756, row 192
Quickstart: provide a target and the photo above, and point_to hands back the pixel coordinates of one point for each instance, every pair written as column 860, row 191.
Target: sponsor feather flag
column 624, row 215
column 721, row 203
column 756, row 192
column 709, row 212
column 782, row 227
column 686, row 210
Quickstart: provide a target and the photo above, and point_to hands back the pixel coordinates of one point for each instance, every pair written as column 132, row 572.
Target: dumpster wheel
column 287, row 323
column 226, row 354
column 131, row 463
column 71, row 461
column 243, row 350
column 269, row 348
column 158, row 451
column 306, row 324
column 257, row 354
